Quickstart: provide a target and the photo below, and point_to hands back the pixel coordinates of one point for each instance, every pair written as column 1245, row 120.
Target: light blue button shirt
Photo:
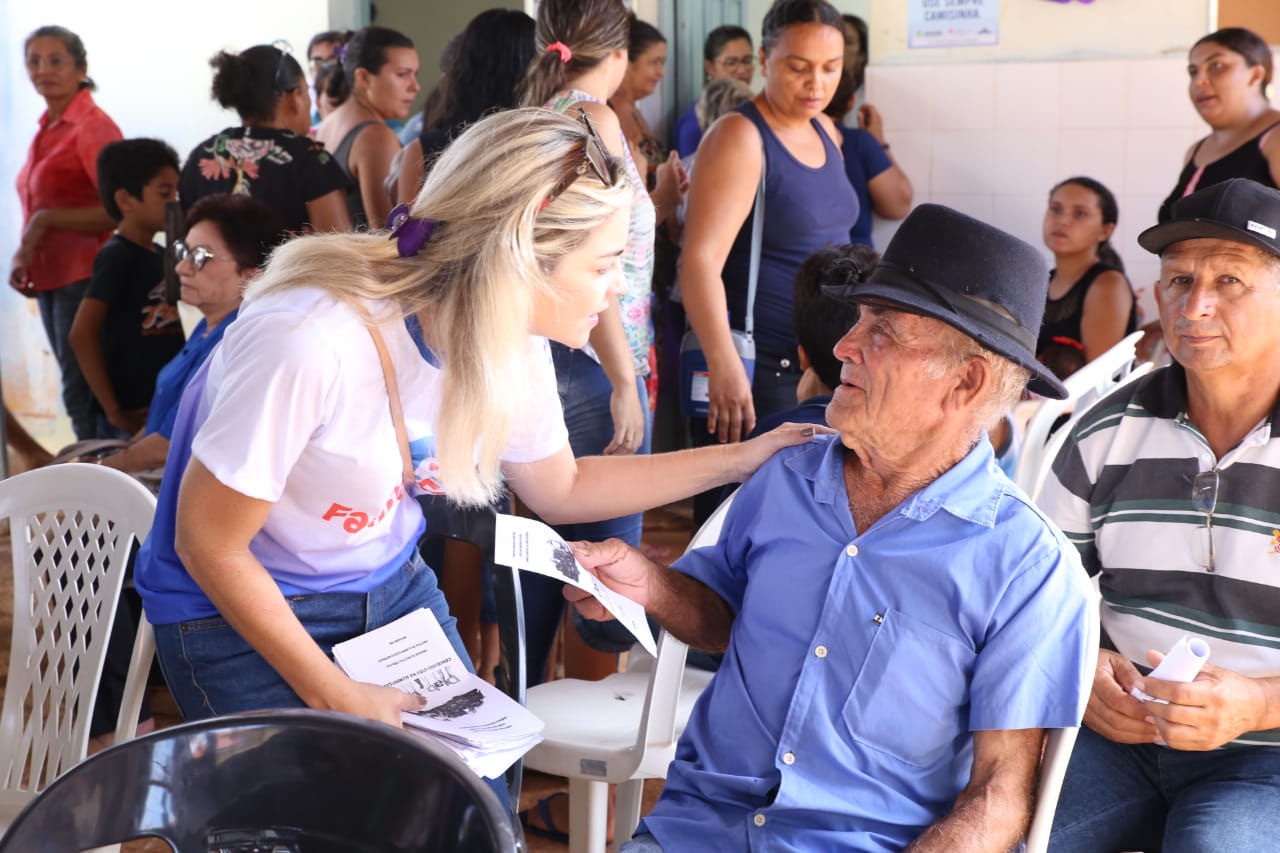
column 860, row 663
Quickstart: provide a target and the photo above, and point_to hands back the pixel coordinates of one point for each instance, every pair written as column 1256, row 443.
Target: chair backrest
column 285, row 781
column 1059, row 437
column 72, row 530
column 1093, row 380
column 662, row 699
column 1058, row 745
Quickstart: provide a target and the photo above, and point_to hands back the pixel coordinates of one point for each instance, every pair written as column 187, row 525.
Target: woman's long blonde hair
column 475, row 279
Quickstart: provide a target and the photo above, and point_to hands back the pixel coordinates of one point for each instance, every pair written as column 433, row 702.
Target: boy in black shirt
column 125, row 331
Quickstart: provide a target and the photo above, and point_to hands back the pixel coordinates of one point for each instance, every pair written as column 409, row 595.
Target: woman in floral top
column 579, row 61
column 269, row 156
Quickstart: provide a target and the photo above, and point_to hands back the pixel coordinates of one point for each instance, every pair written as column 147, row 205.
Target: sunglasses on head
column 197, row 255
column 595, row 157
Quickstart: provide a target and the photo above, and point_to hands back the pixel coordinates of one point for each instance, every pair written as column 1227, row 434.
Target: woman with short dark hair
column 727, row 53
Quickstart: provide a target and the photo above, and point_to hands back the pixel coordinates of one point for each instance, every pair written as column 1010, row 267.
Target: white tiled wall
column 991, row 140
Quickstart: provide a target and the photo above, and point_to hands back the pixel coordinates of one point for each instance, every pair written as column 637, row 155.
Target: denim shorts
column 212, row 671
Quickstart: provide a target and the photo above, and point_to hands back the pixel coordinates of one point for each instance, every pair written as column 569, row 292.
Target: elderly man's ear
column 971, row 385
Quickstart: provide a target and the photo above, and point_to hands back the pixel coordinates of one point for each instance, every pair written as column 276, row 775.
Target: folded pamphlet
column 482, row 725
column 1182, row 664
column 532, row 546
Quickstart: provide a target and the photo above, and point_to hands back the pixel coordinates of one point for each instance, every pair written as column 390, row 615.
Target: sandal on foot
column 548, row 828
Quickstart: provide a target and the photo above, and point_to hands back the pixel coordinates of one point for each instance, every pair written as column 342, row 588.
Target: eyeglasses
column 732, row 63
column 594, row 157
column 198, row 256
column 282, row 84
column 1204, row 498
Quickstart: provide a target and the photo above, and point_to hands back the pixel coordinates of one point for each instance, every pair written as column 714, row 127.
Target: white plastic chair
column 1037, row 480
column 1060, row 742
column 619, row 730
column 72, row 528
column 1086, row 385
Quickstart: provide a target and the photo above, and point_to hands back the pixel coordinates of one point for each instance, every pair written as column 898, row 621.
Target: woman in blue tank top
column 808, row 204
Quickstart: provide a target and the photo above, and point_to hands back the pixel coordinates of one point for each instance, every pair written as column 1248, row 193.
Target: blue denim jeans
column 584, row 394
column 57, row 310
column 212, row 671
column 1148, row 797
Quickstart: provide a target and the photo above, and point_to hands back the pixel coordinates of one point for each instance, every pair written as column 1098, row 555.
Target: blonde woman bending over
column 286, row 524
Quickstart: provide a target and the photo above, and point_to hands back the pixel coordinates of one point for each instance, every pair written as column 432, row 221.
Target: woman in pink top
column 64, row 222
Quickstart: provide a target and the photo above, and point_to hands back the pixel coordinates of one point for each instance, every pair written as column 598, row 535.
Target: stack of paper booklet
column 486, row 728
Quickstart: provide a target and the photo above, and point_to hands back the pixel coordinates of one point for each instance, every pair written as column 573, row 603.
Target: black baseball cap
column 1241, row 210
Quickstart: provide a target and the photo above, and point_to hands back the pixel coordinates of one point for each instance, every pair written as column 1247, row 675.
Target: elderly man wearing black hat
column 900, row 623
column 1170, row 488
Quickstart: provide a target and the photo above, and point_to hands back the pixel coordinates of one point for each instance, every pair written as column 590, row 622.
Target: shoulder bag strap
column 393, row 399
column 757, row 237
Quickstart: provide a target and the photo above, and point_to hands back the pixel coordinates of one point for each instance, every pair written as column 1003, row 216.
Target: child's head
column 820, row 321
column 135, row 178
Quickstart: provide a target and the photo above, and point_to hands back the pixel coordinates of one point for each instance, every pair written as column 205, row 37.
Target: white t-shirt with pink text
column 298, row 415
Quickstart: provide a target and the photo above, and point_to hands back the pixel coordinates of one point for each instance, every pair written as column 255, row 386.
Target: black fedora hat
column 1239, row 209
column 988, row 284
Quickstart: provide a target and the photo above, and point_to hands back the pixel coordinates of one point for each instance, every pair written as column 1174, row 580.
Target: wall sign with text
column 953, row 23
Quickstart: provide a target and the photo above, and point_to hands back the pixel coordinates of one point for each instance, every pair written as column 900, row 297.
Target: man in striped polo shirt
column 1170, row 489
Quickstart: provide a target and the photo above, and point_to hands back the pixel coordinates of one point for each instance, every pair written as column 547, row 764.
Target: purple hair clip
column 340, row 53
column 410, row 234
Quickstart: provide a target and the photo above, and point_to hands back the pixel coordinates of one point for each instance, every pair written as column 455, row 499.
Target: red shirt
column 61, row 172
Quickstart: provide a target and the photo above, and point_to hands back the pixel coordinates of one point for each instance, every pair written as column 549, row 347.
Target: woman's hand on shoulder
column 869, row 120
column 754, row 453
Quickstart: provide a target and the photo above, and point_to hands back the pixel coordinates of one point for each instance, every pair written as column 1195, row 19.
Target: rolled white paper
column 1182, row 664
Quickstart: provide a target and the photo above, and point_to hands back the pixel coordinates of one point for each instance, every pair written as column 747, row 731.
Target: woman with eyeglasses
column 269, row 155
column 727, row 54
column 225, row 246
column 64, row 222
column 376, row 80
column 366, row 368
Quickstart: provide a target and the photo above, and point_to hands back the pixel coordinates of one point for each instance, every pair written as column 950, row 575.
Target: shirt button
column 758, row 820
column 820, row 651
column 788, row 758
column 852, row 550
